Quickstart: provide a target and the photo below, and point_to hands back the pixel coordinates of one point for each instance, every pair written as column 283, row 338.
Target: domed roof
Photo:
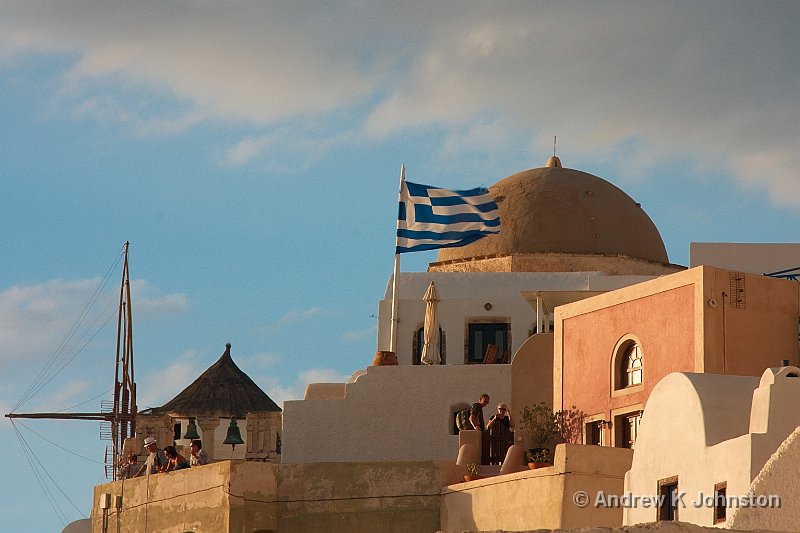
column 565, row 211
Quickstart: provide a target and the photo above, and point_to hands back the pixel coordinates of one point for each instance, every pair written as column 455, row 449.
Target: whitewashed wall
column 708, row 429
column 390, row 413
column 464, row 295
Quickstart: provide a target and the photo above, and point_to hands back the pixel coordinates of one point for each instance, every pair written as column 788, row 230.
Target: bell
column 233, row 437
column 191, row 430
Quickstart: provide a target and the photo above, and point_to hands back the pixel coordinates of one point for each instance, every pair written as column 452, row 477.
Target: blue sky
column 251, row 153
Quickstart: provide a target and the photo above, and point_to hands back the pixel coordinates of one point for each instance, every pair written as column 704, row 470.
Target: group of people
column 497, row 433
column 475, row 416
column 163, row 460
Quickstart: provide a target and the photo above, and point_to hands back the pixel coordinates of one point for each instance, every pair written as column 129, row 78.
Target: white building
column 565, row 235
column 707, row 445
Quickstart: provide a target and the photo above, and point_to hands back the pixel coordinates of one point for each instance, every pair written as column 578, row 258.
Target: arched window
column 419, row 342
column 632, row 360
column 627, row 366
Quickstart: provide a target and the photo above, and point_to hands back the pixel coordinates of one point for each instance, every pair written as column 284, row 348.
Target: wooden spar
column 116, row 406
column 68, row 416
column 123, row 421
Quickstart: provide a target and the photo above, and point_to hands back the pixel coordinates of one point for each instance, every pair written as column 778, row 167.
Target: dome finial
column 553, row 161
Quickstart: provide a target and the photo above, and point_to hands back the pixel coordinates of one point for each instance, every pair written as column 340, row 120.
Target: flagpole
column 396, row 271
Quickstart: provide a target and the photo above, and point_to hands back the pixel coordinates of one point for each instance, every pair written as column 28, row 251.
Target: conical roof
column 223, row 390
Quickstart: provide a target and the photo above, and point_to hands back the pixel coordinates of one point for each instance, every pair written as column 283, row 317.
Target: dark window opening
column 669, row 498
column 485, row 334
column 628, row 429
column 594, row 433
column 419, row 343
column 720, row 502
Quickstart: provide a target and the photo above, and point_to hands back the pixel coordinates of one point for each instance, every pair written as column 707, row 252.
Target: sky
column 250, row 152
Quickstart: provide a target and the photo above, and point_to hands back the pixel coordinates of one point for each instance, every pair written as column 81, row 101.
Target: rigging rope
column 85, row 402
column 58, row 445
column 49, row 495
column 38, row 472
column 37, row 384
column 63, row 366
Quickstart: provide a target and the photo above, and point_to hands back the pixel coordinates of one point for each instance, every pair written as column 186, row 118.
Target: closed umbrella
column 430, row 335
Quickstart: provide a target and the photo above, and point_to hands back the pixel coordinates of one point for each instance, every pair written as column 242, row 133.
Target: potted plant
column 539, row 422
column 544, row 426
column 473, row 472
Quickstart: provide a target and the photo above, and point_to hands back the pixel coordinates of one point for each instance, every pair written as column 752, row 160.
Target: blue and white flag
column 430, row 217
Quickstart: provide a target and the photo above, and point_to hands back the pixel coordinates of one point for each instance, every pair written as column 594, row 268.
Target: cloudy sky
column 250, row 153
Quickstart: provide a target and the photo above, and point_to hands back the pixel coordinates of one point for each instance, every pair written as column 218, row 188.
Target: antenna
column 554, row 145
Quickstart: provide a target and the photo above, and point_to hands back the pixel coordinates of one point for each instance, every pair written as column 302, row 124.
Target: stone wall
column 656, row 527
column 541, row 498
column 243, row 497
column 554, row 262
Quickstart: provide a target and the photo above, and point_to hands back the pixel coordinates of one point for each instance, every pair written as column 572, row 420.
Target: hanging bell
column 233, row 437
column 191, row 430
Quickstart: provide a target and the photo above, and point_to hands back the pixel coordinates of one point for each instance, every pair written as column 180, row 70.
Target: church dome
column 555, row 210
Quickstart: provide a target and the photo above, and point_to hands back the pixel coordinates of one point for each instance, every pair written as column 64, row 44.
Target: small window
column 419, row 342
column 595, row 434
column 669, row 499
column 720, row 502
column 481, row 335
column 628, row 429
column 454, row 410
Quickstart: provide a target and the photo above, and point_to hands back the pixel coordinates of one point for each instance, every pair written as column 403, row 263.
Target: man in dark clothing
column 476, row 412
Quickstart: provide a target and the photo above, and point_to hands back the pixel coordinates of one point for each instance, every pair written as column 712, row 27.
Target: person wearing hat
column 156, row 459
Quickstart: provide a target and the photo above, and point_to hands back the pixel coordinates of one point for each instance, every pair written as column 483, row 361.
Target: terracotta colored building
column 611, row 350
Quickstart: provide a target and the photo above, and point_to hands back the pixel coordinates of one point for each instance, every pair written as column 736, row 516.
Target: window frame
column 416, row 345
column 666, row 511
column 618, row 418
column 499, row 325
column 619, row 370
column 720, row 511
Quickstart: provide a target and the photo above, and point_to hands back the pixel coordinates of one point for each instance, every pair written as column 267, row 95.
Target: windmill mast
column 123, row 423
column 122, row 416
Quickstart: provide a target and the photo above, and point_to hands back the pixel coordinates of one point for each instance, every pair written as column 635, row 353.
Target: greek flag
column 430, row 217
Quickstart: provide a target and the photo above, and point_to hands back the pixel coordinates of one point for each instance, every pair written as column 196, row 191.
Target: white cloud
column 158, row 387
column 67, row 393
column 291, row 317
column 255, row 62
column 713, row 83
column 148, row 304
column 35, row 318
column 280, row 392
column 265, row 359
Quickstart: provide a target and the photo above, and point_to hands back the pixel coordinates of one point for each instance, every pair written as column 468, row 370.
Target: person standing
column 500, row 434
column 476, row 412
column 156, row 460
column 502, row 417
